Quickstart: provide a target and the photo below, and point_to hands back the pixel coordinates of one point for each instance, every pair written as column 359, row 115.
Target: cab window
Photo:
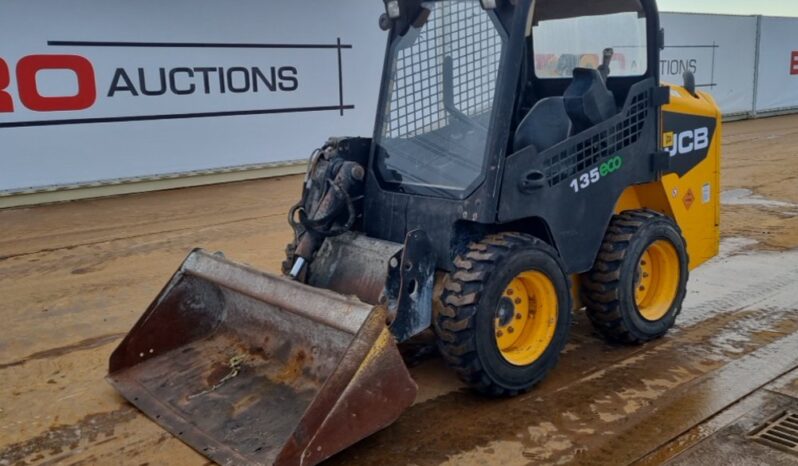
column 563, row 43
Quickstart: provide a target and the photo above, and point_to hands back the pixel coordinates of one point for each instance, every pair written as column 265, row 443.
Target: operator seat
column 546, row 125
column 588, row 101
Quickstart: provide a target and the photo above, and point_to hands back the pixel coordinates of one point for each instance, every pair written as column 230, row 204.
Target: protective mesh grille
column 590, row 150
column 458, row 29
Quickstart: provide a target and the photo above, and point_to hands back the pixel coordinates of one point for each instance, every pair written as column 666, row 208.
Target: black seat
column 546, row 125
column 588, row 101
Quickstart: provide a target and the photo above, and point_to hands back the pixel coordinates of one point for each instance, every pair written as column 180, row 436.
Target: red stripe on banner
column 29, row 91
column 6, row 103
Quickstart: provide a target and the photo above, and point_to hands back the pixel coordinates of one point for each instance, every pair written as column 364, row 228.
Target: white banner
column 96, row 90
column 719, row 49
column 99, row 90
column 778, row 65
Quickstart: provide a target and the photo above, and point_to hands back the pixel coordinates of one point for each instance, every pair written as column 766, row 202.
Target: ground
column 75, row 277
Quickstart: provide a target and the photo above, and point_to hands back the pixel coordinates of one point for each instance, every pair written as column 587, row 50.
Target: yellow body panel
column 692, row 200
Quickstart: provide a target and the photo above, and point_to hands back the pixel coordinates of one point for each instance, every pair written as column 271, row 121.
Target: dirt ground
column 75, row 277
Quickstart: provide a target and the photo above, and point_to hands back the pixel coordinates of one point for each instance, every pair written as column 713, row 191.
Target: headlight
column 392, row 9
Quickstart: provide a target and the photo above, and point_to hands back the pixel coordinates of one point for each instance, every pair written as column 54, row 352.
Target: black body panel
column 558, row 186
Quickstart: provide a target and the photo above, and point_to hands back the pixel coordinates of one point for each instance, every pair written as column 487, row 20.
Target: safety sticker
column 707, row 193
column 689, row 199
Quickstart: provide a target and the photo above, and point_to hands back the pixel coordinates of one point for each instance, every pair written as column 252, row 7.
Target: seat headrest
column 587, row 100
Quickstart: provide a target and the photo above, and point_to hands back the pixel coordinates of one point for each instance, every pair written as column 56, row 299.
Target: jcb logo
column 686, row 141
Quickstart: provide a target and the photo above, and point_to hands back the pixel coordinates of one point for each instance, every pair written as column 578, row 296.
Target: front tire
column 636, row 288
column 505, row 315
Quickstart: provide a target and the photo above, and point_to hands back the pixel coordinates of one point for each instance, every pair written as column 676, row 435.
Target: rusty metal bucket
column 249, row 368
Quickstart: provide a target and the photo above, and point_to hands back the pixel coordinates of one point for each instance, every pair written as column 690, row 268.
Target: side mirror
column 689, row 83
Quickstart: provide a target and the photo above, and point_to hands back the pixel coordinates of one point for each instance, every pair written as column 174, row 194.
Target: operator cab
column 440, row 101
column 490, row 112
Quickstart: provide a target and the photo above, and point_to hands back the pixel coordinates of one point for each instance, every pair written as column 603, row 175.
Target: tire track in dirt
column 89, row 343
column 143, row 235
column 60, row 439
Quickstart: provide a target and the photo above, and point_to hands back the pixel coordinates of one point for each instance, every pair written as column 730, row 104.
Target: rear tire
column 634, row 292
column 498, row 342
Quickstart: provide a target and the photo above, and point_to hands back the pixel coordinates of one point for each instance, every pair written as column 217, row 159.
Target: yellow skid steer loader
column 526, row 162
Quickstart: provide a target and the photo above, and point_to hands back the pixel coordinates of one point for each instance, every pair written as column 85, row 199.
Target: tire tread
column 601, row 286
column 456, row 323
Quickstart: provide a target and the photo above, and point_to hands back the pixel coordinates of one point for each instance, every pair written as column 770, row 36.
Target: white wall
column 778, row 65
column 72, row 153
column 721, row 50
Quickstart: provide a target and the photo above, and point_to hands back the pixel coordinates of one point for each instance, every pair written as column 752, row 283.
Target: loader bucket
column 250, row 368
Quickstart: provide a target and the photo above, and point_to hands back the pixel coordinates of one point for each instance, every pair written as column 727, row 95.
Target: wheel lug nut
column 499, row 334
column 518, row 316
column 510, row 330
column 509, row 292
column 517, row 300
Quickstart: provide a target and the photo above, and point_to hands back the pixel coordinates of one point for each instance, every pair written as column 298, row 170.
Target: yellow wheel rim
column 526, row 318
column 657, row 280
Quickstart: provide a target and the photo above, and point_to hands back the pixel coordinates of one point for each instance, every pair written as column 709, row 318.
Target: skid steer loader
column 526, row 162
